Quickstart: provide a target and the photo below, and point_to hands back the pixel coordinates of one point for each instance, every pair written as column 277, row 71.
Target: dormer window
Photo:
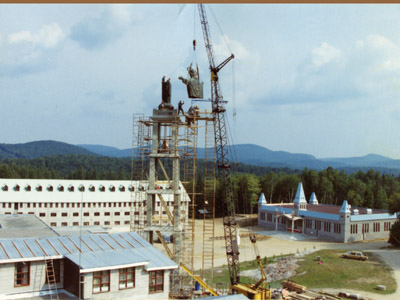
column 60, row 188
column 28, row 188
column 91, row 188
column 112, row 188
column 71, row 188
column 102, row 188
column 50, row 188
column 131, row 188
column 5, row 188
column 81, row 188
column 122, row 188
column 39, row 188
column 16, row 188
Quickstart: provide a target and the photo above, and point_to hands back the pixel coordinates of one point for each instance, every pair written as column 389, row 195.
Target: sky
column 321, row 79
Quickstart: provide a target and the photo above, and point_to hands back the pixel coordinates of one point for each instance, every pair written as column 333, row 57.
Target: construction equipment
column 224, row 174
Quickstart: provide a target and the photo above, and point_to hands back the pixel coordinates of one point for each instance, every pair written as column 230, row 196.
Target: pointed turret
column 262, row 199
column 345, row 209
column 313, row 199
column 300, row 201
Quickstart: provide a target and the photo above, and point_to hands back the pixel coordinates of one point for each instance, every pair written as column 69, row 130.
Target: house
column 118, row 205
column 339, row 223
column 109, row 266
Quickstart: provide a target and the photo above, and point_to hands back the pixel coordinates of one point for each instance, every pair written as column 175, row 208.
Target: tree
column 394, row 237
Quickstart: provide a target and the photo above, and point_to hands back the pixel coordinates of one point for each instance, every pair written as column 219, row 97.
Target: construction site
column 165, row 154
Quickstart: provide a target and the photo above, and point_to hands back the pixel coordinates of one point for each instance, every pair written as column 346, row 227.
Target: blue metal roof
column 89, row 251
column 371, row 217
column 107, row 259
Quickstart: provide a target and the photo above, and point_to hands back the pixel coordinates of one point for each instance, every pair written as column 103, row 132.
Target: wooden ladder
column 51, row 279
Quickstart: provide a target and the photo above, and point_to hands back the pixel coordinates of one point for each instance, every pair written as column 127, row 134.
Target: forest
column 370, row 189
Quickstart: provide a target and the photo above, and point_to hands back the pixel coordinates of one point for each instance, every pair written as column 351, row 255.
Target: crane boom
column 221, row 143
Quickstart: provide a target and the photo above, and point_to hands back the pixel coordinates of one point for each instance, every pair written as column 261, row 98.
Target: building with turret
column 338, row 223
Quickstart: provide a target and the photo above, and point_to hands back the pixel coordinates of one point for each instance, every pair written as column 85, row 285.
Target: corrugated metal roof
column 89, row 251
column 106, row 259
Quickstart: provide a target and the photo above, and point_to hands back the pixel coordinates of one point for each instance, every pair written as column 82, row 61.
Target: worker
column 180, row 105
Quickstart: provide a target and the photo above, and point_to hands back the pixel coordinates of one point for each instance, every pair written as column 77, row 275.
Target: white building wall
column 108, row 208
column 140, row 291
column 37, row 281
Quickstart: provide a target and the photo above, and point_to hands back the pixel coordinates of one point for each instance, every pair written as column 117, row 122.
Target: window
column 64, row 214
column 117, row 223
column 86, row 214
column 317, row 225
column 42, row 214
column 96, row 214
column 22, row 274
column 122, row 188
column 50, row 188
column 16, row 188
column 386, row 226
column 97, row 223
column 365, row 228
column 75, row 224
column 75, row 214
column 53, row 275
column 377, row 227
column 126, row 278
column 64, row 224
column 53, row 214
column 156, row 281
column 107, row 223
column 336, row 228
column 5, row 188
column 112, row 188
column 102, row 188
column 353, row 229
column 85, row 223
column 101, row 282
column 107, row 213
column 327, row 226
column 117, row 213
column 91, row 188
column 53, row 224
column 308, row 224
column 39, row 188
column 71, row 188
column 269, row 217
column 60, row 188
column 126, row 222
column 28, row 188
column 81, row 188
column 127, row 213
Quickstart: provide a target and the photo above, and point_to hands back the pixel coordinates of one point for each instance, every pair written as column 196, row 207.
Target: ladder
column 51, row 279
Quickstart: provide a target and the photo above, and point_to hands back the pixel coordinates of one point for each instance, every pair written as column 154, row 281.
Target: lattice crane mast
column 221, row 142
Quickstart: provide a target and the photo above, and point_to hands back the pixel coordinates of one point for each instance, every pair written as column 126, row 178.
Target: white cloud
column 97, row 32
column 26, row 52
column 49, row 36
column 324, row 54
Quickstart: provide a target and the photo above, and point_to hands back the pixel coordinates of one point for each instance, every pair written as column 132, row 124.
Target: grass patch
column 336, row 272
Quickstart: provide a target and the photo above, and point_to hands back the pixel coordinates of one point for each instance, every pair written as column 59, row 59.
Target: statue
column 166, row 93
column 193, row 84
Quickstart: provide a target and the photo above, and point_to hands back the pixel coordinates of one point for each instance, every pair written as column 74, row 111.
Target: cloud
column 49, row 36
column 98, row 32
column 27, row 52
column 368, row 69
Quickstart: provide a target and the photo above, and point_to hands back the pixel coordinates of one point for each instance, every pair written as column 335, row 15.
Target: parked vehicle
column 355, row 255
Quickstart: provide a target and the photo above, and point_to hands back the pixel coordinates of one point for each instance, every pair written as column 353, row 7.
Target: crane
column 221, row 142
column 253, row 291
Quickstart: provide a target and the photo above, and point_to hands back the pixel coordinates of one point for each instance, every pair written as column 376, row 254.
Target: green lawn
column 336, row 272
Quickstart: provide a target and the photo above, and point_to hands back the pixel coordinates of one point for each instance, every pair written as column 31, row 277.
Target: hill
column 39, row 149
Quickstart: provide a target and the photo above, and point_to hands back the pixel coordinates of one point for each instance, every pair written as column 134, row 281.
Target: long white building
column 109, row 203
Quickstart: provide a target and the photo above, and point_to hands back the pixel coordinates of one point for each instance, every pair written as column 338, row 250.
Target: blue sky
column 308, row 78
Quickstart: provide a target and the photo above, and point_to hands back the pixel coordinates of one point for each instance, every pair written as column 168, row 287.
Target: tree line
column 370, row 189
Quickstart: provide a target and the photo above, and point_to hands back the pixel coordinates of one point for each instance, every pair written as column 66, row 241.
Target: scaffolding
column 141, row 145
column 164, row 152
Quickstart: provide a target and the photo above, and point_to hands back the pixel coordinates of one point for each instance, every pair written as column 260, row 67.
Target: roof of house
column 300, row 197
column 19, row 226
column 93, row 251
